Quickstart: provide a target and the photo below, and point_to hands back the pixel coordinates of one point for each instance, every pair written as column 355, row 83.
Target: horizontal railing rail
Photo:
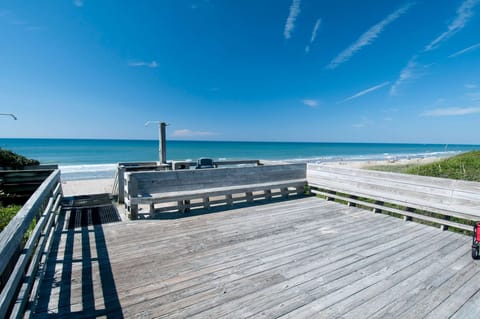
column 23, row 254
column 443, row 202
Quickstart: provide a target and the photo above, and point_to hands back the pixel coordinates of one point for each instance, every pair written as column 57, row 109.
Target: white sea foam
column 368, row 157
column 96, row 171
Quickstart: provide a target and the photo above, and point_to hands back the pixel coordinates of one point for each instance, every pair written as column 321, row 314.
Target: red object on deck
column 477, row 232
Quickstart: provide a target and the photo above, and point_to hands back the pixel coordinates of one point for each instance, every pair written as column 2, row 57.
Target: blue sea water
column 89, row 158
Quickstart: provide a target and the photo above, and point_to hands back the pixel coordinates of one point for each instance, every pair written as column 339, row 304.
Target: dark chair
column 205, row 163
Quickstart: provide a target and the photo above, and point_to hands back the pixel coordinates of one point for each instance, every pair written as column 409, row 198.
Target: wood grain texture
column 19, row 281
column 444, row 196
column 302, row 258
column 184, row 185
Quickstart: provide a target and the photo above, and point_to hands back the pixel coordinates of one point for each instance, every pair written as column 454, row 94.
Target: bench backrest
column 453, row 197
column 185, row 180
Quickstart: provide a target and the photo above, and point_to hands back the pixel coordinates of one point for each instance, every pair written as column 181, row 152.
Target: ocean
column 97, row 158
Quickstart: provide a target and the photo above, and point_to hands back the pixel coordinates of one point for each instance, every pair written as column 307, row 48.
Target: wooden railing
column 24, row 182
column 444, row 202
column 23, row 254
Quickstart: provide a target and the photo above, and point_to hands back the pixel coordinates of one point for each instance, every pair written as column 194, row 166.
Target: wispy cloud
column 464, row 13
column 292, row 17
column 10, row 18
column 78, row 3
column 368, row 37
column 470, row 48
column 364, row 122
column 311, row 103
column 409, row 72
column 152, row 64
column 369, row 90
column 314, row 35
column 359, row 125
column 190, row 133
column 473, row 96
column 470, row 86
column 451, row 111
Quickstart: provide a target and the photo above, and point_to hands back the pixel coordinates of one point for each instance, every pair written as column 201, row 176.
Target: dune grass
column 465, row 166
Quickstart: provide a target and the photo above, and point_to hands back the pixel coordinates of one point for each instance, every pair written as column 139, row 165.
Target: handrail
column 434, row 200
column 25, row 260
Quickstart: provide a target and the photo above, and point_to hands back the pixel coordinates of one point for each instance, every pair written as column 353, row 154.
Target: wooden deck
column 302, row 258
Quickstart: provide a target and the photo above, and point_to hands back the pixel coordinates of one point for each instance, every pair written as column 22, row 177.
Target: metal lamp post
column 9, row 114
column 162, row 145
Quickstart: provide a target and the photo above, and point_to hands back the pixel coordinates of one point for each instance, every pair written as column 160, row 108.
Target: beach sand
column 366, row 164
column 87, row 187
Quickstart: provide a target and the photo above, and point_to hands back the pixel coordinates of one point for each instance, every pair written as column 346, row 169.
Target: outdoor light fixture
column 9, row 114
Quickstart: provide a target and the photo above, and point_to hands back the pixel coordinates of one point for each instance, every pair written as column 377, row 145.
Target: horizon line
column 227, row 141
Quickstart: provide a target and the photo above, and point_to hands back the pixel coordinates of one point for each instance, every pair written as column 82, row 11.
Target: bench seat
column 184, row 185
column 146, row 198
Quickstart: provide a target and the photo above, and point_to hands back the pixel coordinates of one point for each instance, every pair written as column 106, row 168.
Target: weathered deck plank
column 297, row 258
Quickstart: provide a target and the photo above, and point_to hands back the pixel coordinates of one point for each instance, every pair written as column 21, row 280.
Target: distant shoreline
column 228, row 141
column 387, row 162
column 87, row 159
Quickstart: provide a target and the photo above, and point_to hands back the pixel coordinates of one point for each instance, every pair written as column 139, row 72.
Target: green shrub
column 6, row 214
column 464, row 166
column 9, row 159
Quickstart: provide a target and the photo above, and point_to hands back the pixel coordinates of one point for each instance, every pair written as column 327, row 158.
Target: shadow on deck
column 174, row 213
column 80, row 224
column 303, row 258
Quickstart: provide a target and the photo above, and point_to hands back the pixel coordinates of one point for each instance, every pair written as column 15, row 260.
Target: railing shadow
column 67, row 292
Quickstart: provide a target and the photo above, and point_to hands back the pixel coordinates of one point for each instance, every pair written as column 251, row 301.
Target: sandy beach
column 87, row 187
column 366, row 164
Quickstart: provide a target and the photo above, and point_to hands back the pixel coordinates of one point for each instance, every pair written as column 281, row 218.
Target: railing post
column 121, row 184
column 351, row 204
column 229, row 199
column 408, row 218
column 132, row 187
column 206, row 203
column 268, row 194
column 378, row 210
column 331, row 198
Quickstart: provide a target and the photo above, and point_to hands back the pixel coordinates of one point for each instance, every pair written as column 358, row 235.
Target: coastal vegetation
column 9, row 159
column 6, row 214
column 464, row 166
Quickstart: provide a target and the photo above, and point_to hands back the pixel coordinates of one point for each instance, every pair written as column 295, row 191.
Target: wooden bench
column 184, row 185
column 412, row 196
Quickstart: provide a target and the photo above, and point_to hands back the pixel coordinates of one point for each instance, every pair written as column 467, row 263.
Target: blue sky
column 276, row 70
